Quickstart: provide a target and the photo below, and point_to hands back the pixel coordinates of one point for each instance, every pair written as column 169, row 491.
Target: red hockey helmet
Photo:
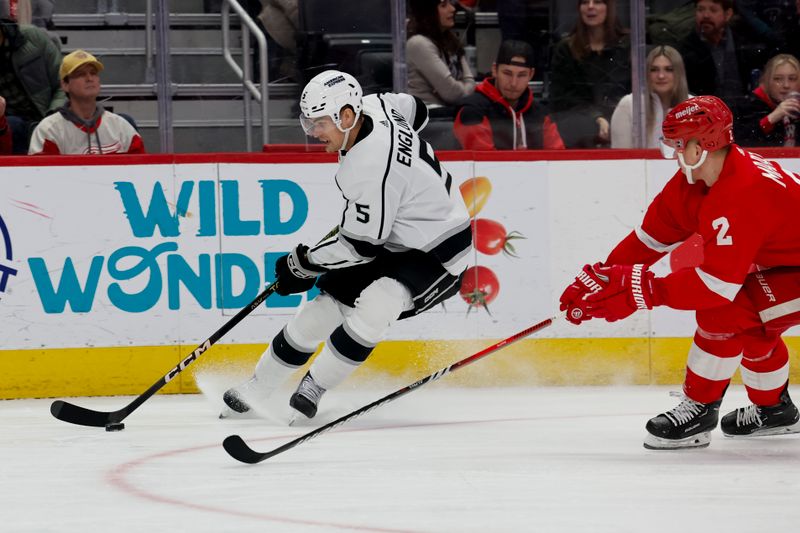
column 705, row 118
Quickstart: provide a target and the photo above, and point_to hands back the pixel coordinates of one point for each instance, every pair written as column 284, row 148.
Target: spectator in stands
column 719, row 55
column 666, row 86
column 81, row 126
column 770, row 115
column 590, row 74
column 281, row 19
column 5, row 131
column 501, row 113
column 29, row 83
column 438, row 71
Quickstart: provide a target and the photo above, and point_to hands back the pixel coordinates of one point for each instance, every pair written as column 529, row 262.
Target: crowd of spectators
column 743, row 51
column 48, row 102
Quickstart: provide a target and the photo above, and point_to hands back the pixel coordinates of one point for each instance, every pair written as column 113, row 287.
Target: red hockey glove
column 630, row 288
column 573, row 298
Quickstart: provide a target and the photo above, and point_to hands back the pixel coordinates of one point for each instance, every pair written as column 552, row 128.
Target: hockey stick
column 239, row 450
column 75, row 414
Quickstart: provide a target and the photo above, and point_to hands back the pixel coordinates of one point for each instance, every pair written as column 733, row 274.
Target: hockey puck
column 118, row 426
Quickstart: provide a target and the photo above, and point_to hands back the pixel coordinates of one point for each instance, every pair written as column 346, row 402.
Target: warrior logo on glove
column 587, row 282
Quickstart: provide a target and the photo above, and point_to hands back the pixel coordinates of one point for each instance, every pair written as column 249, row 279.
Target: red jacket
column 486, row 121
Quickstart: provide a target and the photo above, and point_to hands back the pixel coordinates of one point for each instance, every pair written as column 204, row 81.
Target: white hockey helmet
column 325, row 95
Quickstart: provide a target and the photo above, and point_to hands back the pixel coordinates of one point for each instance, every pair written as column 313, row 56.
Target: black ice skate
column 759, row 421
column 688, row 425
column 307, row 396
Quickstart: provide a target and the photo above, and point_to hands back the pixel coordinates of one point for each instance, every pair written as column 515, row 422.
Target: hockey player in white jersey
column 402, row 245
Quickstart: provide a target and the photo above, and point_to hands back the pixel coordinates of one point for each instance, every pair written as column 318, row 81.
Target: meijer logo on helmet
column 688, row 111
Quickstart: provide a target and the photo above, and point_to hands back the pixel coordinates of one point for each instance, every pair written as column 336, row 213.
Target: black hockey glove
column 295, row 273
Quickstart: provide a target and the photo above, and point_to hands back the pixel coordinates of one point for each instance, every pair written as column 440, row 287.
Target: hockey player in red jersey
column 746, row 292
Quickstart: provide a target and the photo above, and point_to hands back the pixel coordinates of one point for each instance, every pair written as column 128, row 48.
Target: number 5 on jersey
column 363, row 213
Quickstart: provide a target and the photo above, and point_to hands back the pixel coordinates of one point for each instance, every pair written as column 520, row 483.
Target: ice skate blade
column 229, row 414
column 701, row 440
column 297, row 416
column 767, row 432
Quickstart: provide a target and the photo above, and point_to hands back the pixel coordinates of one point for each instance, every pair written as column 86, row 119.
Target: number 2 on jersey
column 722, row 226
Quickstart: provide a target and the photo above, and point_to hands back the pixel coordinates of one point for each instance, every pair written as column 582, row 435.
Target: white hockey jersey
column 397, row 195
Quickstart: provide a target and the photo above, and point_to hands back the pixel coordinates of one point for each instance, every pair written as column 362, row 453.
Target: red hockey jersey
column 748, row 217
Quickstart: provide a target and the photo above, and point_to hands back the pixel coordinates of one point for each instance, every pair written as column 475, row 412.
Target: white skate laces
column 684, row 411
column 749, row 415
column 309, row 388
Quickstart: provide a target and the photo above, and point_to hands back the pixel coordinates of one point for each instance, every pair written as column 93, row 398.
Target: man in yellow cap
column 82, row 126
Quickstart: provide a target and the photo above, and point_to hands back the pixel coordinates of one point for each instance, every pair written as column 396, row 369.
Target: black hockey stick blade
column 82, row 416
column 239, row 450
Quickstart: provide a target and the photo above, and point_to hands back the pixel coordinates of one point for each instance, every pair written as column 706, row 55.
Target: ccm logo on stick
column 186, row 362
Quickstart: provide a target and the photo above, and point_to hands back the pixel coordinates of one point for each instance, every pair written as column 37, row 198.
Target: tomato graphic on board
column 479, row 287
column 490, row 237
column 475, row 192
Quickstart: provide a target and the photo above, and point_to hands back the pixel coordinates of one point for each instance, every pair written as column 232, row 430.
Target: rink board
column 110, row 274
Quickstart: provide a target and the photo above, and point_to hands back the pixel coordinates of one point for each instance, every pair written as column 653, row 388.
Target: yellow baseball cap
column 76, row 59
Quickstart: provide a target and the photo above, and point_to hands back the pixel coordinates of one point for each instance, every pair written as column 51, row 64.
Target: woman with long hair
column 770, row 114
column 438, row 71
column 666, row 87
column 590, row 74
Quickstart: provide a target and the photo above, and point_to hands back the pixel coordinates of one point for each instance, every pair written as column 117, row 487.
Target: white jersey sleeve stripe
column 765, row 381
column 710, row 366
column 716, row 285
column 653, row 244
column 780, row 310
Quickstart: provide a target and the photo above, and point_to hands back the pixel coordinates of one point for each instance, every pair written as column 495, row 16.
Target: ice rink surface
column 437, row 460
